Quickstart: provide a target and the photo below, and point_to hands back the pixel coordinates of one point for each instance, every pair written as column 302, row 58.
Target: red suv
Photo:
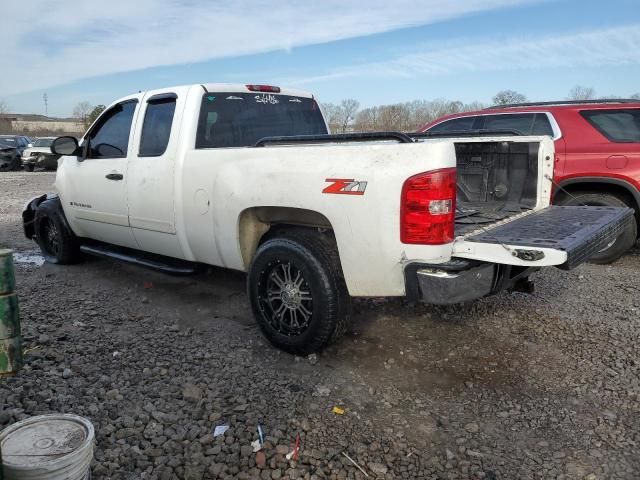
column 597, row 147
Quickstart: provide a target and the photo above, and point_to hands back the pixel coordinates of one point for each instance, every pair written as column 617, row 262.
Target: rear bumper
column 461, row 280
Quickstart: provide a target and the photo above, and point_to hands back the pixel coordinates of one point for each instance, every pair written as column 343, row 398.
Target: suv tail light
column 263, row 88
column 428, row 208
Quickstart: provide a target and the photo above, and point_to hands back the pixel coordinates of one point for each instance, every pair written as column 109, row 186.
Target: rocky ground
column 510, row 387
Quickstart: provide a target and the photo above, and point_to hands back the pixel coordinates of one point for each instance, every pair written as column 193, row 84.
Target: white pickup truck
column 247, row 177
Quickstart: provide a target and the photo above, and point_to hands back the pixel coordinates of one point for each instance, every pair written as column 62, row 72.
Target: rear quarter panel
column 217, row 185
column 591, row 154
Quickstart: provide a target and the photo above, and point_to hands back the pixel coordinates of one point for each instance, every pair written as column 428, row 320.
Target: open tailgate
column 557, row 235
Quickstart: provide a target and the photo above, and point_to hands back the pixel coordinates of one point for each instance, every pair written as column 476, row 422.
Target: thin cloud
column 48, row 44
column 601, row 48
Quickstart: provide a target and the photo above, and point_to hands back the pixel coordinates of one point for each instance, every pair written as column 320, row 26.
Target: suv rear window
column 241, row 119
column 617, row 125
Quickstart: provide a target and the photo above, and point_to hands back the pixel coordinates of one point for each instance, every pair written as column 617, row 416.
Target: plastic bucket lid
column 51, row 447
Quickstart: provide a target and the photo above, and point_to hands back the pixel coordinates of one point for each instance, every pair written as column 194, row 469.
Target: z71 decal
column 345, row 186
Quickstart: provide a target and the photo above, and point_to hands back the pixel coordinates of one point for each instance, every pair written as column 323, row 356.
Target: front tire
column 297, row 292
column 625, row 240
column 57, row 242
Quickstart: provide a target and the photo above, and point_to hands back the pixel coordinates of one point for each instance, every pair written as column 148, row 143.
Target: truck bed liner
column 579, row 231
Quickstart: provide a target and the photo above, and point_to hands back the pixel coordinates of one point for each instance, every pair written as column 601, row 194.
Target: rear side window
column 241, row 119
column 156, row 129
column 455, row 125
column 617, row 125
column 518, row 122
column 521, row 123
column 542, row 126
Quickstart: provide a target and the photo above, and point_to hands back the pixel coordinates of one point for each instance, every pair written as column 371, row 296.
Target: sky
column 375, row 51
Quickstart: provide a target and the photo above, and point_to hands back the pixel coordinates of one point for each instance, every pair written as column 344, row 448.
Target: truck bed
column 496, row 180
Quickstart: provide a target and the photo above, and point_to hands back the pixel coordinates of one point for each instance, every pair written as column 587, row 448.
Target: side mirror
column 29, row 145
column 65, row 146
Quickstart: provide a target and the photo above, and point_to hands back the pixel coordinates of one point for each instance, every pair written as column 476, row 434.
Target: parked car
column 246, row 177
column 8, row 159
column 40, row 155
column 9, row 156
column 597, row 160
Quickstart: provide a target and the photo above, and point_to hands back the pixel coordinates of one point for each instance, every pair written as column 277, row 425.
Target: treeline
column 409, row 116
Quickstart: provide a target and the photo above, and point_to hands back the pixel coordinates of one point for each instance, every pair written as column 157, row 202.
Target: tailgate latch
column 528, row 255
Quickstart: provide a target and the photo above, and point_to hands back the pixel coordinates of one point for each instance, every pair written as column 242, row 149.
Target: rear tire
column 297, row 291
column 625, row 240
column 57, row 242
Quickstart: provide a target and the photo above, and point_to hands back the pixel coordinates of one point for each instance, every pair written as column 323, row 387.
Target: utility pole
column 45, row 97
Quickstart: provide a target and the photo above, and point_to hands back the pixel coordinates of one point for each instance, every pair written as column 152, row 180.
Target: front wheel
column 56, row 241
column 297, row 291
column 623, row 242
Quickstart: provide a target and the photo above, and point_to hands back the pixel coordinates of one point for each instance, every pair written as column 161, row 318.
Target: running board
column 168, row 265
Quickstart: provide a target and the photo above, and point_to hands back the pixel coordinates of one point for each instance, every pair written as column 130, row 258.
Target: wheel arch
column 29, row 215
column 621, row 188
column 257, row 224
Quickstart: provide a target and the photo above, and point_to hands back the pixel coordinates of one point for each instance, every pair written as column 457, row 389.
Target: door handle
column 114, row 176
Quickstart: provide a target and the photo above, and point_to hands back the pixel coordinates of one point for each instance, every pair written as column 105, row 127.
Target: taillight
column 428, row 208
column 263, row 88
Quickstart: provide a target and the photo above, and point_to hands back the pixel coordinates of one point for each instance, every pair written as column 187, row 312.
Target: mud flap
column 580, row 232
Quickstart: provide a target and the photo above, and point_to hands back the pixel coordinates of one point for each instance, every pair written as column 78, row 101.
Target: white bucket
column 48, row 447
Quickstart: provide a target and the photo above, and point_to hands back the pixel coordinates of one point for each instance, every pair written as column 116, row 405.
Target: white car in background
column 39, row 155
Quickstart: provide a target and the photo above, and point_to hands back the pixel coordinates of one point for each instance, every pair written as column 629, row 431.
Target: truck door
column 97, row 196
column 151, row 171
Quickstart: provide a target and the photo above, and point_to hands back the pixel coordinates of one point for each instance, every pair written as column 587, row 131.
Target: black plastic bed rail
column 381, row 136
column 336, row 138
column 467, row 133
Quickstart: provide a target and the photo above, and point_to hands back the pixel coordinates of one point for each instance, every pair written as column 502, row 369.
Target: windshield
column 43, row 142
column 241, row 119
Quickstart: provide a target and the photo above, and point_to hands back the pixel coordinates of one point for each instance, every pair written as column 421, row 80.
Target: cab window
column 110, row 137
column 156, row 129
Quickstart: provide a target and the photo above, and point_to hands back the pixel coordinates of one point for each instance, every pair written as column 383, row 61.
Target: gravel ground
column 511, row 387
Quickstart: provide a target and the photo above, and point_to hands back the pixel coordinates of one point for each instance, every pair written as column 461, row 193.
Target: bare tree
column 81, row 113
column 580, row 92
column 408, row 116
column 635, row 96
column 333, row 116
column 5, row 123
column 349, row 109
column 505, row 97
